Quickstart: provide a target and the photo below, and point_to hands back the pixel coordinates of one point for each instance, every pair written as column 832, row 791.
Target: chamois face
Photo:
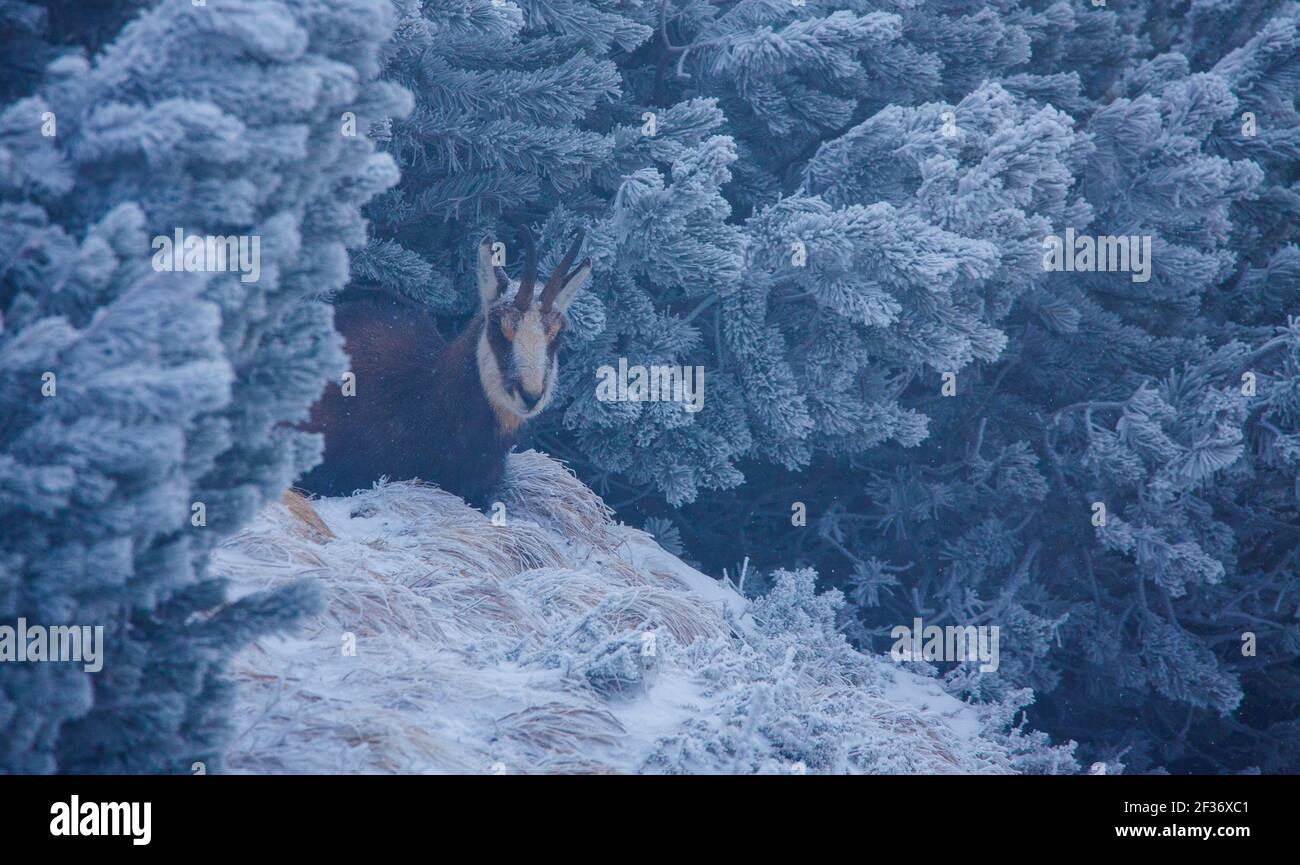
column 523, row 349
column 520, row 339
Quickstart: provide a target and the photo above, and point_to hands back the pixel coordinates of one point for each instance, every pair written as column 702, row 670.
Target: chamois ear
column 492, row 280
column 575, row 281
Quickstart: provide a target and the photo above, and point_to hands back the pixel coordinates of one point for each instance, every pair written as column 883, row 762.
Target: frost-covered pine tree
column 146, row 407
column 1111, row 488
column 502, row 91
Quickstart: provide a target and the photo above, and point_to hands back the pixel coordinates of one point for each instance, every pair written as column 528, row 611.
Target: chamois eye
column 508, row 328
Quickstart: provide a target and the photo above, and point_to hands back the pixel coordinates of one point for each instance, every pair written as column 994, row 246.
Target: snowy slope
column 559, row 642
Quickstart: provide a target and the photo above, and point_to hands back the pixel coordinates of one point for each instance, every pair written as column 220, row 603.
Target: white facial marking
column 530, row 355
column 489, row 376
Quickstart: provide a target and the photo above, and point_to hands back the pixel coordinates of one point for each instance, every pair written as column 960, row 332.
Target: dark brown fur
column 419, row 409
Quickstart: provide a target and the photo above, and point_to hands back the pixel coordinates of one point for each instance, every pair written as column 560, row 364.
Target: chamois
column 444, row 413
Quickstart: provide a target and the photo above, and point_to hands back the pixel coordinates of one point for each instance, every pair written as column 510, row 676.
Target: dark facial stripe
column 501, row 352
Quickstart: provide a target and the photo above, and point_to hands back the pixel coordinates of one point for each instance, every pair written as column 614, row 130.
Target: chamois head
column 520, row 337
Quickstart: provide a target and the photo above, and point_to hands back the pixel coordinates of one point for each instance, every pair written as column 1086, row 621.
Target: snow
column 523, row 648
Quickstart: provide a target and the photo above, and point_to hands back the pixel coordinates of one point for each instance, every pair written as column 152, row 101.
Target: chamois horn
column 524, row 297
column 561, row 274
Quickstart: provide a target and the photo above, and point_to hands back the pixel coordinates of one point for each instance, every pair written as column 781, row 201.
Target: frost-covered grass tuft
column 562, row 642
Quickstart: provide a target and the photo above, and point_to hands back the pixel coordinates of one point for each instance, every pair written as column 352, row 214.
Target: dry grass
column 433, row 593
